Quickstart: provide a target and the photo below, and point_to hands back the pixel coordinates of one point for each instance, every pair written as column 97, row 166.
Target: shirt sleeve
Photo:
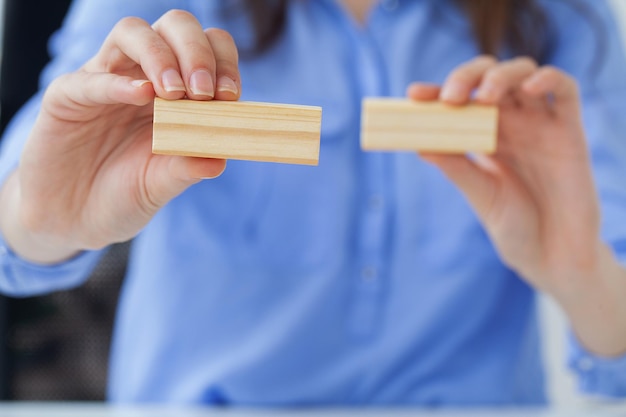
column 589, row 47
column 19, row 278
column 86, row 26
column 603, row 377
column 598, row 376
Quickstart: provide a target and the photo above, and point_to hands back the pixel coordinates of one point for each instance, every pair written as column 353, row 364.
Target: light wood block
column 407, row 125
column 237, row 130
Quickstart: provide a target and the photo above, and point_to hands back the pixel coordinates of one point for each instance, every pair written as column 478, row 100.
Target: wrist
column 592, row 298
column 23, row 241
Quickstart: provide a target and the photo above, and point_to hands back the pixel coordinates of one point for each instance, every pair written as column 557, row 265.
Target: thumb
column 476, row 178
column 80, row 95
column 168, row 176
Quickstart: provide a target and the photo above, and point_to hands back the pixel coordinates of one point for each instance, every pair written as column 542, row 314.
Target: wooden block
column 237, row 130
column 407, row 125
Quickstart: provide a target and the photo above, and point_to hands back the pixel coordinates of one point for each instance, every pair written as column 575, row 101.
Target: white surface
column 561, row 383
column 60, row 410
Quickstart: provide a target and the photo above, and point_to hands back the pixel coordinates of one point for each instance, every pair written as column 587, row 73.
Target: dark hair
column 520, row 25
column 268, row 19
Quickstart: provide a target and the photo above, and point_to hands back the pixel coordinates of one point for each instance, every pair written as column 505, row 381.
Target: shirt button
column 369, row 274
column 376, row 202
column 585, row 364
column 390, row 5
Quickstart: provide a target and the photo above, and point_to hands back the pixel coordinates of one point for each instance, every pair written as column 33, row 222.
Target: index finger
column 458, row 87
column 133, row 42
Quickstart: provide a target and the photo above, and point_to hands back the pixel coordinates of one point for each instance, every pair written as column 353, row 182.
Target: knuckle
column 468, row 72
column 495, row 75
column 178, row 15
column 220, row 35
column 558, row 75
column 225, row 40
column 462, row 75
column 128, row 23
column 551, row 71
column 554, row 74
column 487, row 59
column 526, row 61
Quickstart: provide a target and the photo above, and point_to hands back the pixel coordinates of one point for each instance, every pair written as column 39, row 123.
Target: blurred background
column 55, row 348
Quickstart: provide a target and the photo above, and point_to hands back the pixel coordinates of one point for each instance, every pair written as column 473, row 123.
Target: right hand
column 87, row 177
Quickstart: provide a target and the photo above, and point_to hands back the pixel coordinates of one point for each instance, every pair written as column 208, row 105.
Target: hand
column 87, row 176
column 535, row 196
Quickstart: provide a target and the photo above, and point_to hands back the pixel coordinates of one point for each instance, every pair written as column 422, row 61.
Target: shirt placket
column 374, row 212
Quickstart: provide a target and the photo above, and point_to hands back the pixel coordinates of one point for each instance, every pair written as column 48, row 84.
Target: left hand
column 535, row 196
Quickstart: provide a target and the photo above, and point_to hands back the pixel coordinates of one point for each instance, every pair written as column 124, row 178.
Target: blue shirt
column 365, row 280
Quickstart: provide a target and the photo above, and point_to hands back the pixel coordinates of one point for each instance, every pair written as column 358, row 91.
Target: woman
column 371, row 279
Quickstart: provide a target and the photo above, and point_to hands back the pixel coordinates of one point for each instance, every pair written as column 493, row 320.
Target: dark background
column 53, row 347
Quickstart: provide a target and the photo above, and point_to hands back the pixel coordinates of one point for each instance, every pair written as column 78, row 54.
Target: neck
column 358, row 9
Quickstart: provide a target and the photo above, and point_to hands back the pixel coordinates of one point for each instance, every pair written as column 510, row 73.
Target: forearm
column 22, row 240
column 595, row 303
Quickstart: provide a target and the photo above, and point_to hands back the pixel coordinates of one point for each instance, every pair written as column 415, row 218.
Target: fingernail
column 172, row 81
column 452, row 92
column 139, row 83
column 227, row 85
column 213, row 177
column 201, row 83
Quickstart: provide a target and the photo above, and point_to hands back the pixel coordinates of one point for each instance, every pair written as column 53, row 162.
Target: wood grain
column 237, row 130
column 407, row 125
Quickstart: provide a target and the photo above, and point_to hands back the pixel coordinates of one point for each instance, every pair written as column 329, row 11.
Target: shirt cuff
column 598, row 376
column 21, row 278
